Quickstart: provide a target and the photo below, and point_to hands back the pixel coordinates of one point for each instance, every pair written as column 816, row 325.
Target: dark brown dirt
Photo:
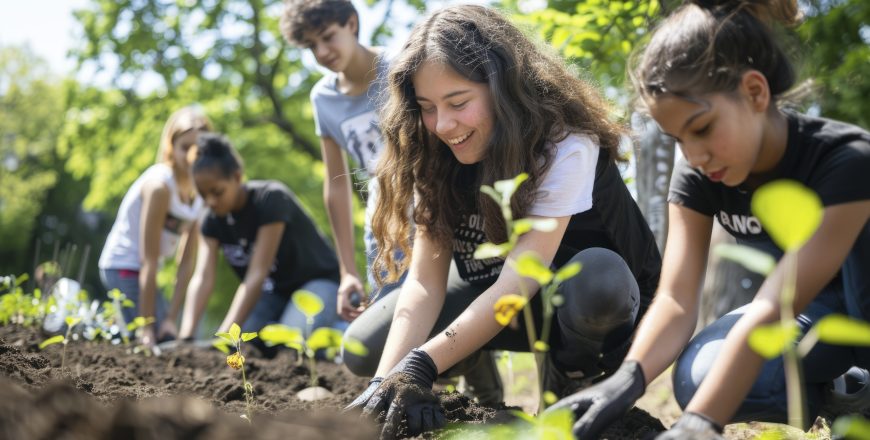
column 107, row 392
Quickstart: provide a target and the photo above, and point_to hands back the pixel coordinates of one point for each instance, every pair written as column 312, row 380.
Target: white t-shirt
column 121, row 250
column 567, row 185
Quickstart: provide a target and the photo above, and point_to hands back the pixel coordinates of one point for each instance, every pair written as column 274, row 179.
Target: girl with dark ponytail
column 268, row 240
column 712, row 76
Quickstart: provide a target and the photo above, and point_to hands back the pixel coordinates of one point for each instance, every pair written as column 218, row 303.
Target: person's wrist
column 420, row 366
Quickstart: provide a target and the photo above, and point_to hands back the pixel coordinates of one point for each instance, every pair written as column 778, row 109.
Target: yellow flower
column 235, row 360
column 507, row 307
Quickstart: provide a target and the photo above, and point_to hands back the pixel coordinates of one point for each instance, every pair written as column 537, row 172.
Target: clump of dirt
column 108, row 392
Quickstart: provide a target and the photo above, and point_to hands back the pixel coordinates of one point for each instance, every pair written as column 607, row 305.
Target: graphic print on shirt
column 740, row 225
column 238, row 255
column 363, row 137
column 466, row 238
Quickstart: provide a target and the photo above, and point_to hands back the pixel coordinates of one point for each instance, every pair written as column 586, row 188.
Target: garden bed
column 105, row 391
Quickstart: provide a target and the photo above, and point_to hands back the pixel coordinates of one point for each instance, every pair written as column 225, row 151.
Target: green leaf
column 541, row 347
column 557, row 300
column 549, row 398
column 568, row 271
column 52, row 340
column 280, row 334
column 235, row 330
column 771, row 340
column 128, row 303
column 221, row 345
column 226, row 337
column 490, row 250
column 529, row 265
column 490, row 191
column 843, row 330
column 560, row 420
column 71, row 321
column 508, row 187
column 789, row 211
column 852, row 427
column 355, row 347
column 752, row 259
column 310, row 304
column 324, row 337
column 248, row 336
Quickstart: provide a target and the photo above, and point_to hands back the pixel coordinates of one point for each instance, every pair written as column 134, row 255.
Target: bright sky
column 45, row 25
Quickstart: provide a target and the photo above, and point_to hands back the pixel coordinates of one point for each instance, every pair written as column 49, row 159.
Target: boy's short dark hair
column 300, row 16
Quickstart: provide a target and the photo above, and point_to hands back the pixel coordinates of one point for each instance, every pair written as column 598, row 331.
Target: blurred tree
column 837, row 33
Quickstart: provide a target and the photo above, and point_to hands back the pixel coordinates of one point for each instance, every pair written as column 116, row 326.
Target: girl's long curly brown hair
column 536, row 100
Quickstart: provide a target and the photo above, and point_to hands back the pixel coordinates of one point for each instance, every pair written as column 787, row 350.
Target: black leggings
column 591, row 330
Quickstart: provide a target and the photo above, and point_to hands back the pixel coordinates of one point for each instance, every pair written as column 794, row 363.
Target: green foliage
column 853, row 427
column 323, row 338
column 236, row 361
column 597, row 35
column 31, row 114
column 752, row 259
column 549, row 425
column 835, row 34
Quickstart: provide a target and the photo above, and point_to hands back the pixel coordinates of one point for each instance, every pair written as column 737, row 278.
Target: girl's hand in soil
column 695, row 426
column 350, row 298
column 406, row 394
column 596, row 407
column 167, row 331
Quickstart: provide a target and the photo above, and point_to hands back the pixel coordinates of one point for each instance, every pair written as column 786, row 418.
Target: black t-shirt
column 303, row 254
column 613, row 221
column 830, row 157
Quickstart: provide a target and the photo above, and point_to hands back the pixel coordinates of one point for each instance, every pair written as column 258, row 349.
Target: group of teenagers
column 469, row 100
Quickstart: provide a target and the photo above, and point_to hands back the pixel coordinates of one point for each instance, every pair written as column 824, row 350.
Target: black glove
column 406, row 393
column 596, row 407
column 361, row 400
column 695, row 426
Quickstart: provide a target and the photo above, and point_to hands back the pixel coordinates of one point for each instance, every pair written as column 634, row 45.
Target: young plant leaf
column 490, row 191
column 752, row 259
column 248, row 336
column 52, row 340
column 568, row 271
column 549, row 398
column 235, row 331
column 528, row 265
column 221, row 345
column 355, row 347
column 310, row 304
column 508, row 187
column 851, row 427
column 280, row 334
column 770, row 340
column 491, row 250
column 71, row 321
column 789, row 211
column 843, row 330
column 507, row 307
column 541, row 347
column 227, row 337
column 324, row 337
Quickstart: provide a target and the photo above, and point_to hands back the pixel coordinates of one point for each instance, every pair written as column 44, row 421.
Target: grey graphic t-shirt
column 351, row 121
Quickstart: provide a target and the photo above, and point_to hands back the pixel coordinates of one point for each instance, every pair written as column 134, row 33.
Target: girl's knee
column 602, row 296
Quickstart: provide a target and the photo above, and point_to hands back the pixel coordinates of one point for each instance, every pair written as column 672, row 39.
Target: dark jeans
column 767, row 399
column 597, row 317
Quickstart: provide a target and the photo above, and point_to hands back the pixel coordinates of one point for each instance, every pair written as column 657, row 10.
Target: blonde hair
column 183, row 120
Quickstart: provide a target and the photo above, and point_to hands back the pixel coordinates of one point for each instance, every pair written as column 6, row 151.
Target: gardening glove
column 695, row 426
column 596, row 407
column 406, row 394
column 362, row 399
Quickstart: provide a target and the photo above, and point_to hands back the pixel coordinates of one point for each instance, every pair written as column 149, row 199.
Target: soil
column 106, row 392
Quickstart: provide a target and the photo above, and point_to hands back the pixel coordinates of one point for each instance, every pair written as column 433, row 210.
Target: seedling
column 550, row 425
column 135, row 327
column 71, row 321
column 529, row 265
column 791, row 213
column 236, row 361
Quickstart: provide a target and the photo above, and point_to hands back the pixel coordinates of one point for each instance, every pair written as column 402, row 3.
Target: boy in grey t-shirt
column 344, row 104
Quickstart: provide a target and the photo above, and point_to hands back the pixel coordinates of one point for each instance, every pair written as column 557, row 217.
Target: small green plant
column 528, row 265
column 791, row 213
column 71, row 322
column 236, row 361
column 324, row 338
